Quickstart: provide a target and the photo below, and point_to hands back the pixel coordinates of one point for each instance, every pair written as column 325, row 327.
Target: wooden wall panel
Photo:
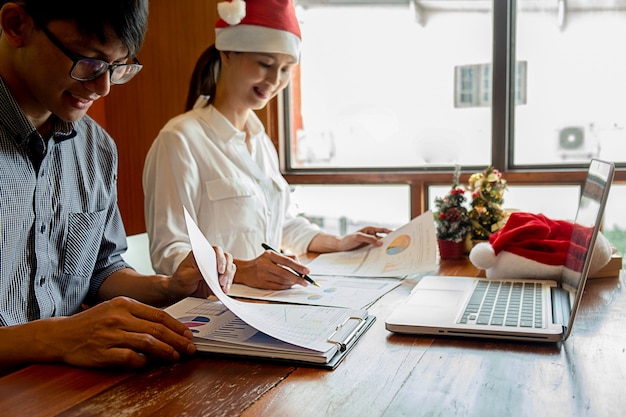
column 135, row 112
column 98, row 113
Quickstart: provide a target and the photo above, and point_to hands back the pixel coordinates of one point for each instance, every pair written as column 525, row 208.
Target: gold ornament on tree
column 487, row 191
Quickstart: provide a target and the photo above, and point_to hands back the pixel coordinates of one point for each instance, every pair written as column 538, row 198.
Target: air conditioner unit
column 572, row 138
column 572, row 143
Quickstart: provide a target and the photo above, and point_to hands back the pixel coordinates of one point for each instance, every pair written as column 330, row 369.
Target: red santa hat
column 258, row 26
column 534, row 246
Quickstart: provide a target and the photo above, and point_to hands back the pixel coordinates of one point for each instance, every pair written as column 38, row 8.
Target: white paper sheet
column 302, row 325
column 408, row 250
column 338, row 291
column 212, row 323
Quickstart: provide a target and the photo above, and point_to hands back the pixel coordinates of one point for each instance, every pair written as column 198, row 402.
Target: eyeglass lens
column 86, row 69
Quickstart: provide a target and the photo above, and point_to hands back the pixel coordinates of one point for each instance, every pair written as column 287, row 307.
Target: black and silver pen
column 305, row 276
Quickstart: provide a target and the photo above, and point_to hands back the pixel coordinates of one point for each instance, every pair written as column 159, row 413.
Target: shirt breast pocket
column 229, row 188
column 84, row 237
column 234, row 202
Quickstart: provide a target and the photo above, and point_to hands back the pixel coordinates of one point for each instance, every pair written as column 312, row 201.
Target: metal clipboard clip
column 345, row 332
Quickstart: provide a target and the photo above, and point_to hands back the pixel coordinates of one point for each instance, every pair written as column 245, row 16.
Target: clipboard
column 330, row 365
column 218, row 331
column 363, row 326
column 346, row 332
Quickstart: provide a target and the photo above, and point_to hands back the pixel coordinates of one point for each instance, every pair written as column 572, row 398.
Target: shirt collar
column 224, row 129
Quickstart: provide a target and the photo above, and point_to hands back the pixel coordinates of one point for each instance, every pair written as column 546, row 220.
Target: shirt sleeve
column 111, row 249
column 297, row 231
column 169, row 167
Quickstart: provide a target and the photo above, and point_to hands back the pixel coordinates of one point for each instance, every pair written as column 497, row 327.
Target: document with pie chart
column 408, row 250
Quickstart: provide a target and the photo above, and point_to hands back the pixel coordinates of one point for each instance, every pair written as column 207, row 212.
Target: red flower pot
column 449, row 249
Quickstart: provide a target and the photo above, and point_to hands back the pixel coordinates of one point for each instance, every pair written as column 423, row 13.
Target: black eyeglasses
column 87, row 69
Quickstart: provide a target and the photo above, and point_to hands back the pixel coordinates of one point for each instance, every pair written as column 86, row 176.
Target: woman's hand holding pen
column 271, row 270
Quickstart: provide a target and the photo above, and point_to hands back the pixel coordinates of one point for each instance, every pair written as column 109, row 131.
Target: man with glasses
column 61, row 233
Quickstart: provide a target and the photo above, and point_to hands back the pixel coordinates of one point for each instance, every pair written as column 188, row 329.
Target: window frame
column 419, row 179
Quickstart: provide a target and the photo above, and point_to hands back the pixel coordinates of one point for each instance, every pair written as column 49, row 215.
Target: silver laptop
column 541, row 311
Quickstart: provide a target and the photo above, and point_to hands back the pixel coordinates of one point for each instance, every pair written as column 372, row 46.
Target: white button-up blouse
column 238, row 198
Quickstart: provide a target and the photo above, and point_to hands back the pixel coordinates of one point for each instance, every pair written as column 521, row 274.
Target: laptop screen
column 588, row 219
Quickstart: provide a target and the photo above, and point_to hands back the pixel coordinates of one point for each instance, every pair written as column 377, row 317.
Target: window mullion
column 502, row 83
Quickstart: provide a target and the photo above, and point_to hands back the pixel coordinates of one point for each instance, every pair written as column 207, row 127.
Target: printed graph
column 194, row 321
column 399, row 245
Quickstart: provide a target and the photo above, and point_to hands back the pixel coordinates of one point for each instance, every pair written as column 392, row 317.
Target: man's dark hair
column 128, row 19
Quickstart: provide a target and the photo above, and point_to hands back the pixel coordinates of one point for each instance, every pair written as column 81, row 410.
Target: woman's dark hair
column 204, row 77
column 127, row 18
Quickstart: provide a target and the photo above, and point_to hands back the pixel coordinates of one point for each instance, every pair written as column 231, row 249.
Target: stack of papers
column 408, row 250
column 357, row 279
column 297, row 333
column 310, row 329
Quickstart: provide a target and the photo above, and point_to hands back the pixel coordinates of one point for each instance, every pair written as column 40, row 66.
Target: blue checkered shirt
column 61, row 233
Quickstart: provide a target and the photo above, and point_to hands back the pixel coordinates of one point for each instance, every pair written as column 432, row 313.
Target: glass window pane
column 575, row 81
column 341, row 209
column 393, row 85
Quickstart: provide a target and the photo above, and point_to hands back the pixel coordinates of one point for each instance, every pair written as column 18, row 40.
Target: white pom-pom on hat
column 266, row 26
column 483, row 256
column 232, row 12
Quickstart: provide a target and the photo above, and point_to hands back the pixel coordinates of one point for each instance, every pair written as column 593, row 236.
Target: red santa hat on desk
column 258, row 26
column 536, row 247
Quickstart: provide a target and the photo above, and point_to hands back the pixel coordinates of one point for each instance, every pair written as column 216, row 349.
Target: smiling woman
column 218, row 161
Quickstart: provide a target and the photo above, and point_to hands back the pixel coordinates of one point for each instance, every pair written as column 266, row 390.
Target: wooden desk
column 385, row 375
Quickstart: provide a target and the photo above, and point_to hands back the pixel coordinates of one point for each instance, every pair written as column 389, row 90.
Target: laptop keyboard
column 502, row 303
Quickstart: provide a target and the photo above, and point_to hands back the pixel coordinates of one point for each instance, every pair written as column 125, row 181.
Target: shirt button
column 42, row 281
column 43, row 228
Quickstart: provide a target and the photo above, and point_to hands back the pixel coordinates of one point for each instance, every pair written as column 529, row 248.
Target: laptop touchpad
column 436, row 298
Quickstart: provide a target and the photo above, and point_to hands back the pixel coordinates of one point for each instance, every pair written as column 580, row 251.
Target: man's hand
column 120, row 332
column 188, row 280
